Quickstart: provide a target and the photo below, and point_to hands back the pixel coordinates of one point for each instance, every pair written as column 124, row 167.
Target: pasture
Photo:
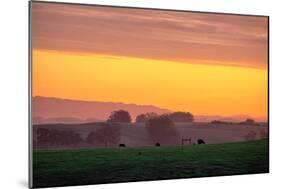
column 108, row 165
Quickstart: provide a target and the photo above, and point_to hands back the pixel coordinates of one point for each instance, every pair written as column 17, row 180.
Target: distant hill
column 234, row 118
column 57, row 110
column 65, row 120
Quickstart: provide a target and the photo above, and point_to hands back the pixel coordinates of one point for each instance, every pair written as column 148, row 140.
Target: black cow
column 122, row 145
column 157, row 144
column 200, row 141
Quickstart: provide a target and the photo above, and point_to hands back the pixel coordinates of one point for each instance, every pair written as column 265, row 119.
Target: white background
column 14, row 92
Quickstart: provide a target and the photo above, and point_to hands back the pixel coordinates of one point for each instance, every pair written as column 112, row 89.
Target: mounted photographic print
column 121, row 94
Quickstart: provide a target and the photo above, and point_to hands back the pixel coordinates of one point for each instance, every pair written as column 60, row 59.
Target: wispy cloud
column 150, row 34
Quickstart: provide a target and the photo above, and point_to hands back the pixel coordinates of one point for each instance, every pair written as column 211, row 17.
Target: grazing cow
column 122, row 145
column 200, row 141
column 157, row 144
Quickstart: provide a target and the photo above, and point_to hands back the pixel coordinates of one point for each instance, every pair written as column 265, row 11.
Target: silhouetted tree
column 219, row 122
column 181, row 117
column 107, row 134
column 249, row 121
column 120, row 116
column 142, row 118
column 57, row 138
column 162, row 130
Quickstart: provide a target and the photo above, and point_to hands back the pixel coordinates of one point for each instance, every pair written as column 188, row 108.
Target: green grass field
column 93, row 166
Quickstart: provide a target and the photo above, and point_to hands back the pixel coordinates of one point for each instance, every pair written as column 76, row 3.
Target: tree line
column 123, row 116
column 160, row 128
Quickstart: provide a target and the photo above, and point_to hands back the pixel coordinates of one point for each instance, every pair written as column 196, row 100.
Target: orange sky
column 207, row 64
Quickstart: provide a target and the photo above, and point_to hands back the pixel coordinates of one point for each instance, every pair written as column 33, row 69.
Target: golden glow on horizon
column 200, row 89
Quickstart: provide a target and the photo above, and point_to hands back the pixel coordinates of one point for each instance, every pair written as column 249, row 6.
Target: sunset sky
column 208, row 64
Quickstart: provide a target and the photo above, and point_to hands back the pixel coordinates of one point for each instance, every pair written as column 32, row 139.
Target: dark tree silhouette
column 120, row 116
column 162, row 130
column 142, row 118
column 219, row 122
column 108, row 134
column 249, row 121
column 181, row 117
column 57, row 138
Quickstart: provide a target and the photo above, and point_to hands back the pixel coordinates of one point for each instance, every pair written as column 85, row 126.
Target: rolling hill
column 59, row 110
